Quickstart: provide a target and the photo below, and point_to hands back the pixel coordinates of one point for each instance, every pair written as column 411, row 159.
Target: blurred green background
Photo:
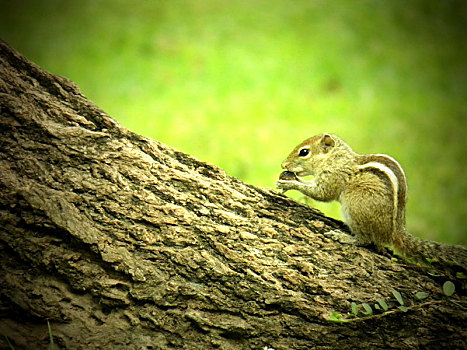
column 240, row 83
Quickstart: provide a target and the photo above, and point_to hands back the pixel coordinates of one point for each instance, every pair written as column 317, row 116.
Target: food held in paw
column 287, row 175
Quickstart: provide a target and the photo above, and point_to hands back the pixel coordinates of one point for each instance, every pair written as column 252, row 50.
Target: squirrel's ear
column 327, row 142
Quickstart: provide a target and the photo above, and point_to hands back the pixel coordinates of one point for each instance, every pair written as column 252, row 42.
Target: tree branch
column 123, row 242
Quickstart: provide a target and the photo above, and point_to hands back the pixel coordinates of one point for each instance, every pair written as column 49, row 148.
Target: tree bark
column 121, row 242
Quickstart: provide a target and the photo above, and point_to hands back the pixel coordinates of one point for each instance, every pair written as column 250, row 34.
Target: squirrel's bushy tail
column 423, row 251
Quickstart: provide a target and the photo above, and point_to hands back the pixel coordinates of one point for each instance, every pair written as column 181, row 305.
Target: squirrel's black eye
column 304, row 152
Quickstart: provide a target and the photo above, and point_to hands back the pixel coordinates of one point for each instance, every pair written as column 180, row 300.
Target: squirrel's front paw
column 287, row 181
column 286, row 185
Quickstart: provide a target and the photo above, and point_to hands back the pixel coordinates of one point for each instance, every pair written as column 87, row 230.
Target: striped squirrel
column 372, row 191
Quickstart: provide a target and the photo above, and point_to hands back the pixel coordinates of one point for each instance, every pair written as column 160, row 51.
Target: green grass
column 240, row 83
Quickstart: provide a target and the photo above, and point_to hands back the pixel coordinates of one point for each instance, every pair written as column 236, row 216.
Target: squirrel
column 372, row 191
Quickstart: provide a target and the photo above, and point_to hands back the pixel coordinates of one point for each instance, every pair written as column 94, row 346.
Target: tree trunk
column 121, row 242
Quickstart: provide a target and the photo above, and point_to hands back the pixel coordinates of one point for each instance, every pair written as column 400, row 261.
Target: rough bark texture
column 121, row 242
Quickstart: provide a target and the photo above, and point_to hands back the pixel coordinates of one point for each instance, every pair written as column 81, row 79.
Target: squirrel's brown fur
column 372, row 190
